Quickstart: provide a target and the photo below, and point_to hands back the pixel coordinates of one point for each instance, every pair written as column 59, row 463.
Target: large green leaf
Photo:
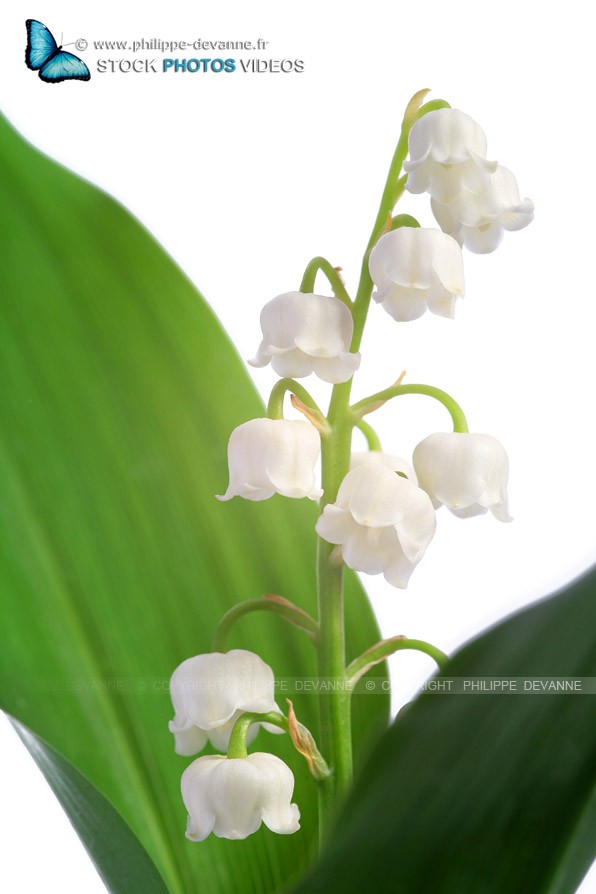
column 483, row 794
column 119, row 391
column 117, row 853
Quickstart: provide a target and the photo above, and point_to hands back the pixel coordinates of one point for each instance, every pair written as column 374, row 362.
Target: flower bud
column 231, row 797
column 415, row 268
column 268, row 456
column 465, row 472
column 382, row 521
column 447, row 154
column 303, row 741
column 305, row 333
column 209, row 692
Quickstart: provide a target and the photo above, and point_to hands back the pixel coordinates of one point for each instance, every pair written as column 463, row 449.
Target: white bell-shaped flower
column 447, row 154
column 466, row 472
column 305, row 333
column 394, row 463
column 478, row 220
column 209, row 692
column 415, row 268
column 231, row 797
column 382, row 521
column 268, row 456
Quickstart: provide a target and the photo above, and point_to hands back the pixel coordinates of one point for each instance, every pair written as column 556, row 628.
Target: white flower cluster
column 473, row 199
column 230, row 797
column 383, row 517
column 384, row 522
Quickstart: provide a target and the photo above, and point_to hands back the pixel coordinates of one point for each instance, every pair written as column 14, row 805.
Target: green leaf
column 116, row 852
column 119, row 392
column 487, row 794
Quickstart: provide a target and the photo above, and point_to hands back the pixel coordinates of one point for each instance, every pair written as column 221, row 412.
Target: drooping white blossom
column 268, row 456
column 466, row 472
column 382, row 521
column 210, row 691
column 394, row 463
column 447, row 154
column 231, row 797
column 415, row 269
column 478, row 220
column 305, row 333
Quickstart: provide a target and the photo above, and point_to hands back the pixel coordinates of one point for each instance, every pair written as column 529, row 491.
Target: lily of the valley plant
column 377, row 511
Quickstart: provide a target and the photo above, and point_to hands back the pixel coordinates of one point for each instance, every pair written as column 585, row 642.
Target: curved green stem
column 237, row 745
column 277, row 604
column 372, row 438
column 404, row 220
column 332, row 274
column 302, row 740
column 369, row 404
column 432, row 106
column 386, row 647
column 275, row 407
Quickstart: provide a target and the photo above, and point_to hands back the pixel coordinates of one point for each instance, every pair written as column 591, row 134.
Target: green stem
column 275, row 407
column 372, row 438
column 387, row 647
column 392, row 192
column 432, row 106
column 371, row 403
column 237, row 745
column 332, row 274
column 404, row 220
column 334, row 708
column 302, row 739
column 277, row 604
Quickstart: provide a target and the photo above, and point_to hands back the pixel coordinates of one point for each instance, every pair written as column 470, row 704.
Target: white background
column 243, row 178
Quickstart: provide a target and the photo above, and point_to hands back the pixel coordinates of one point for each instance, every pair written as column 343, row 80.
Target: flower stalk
column 372, row 403
column 280, row 606
column 332, row 274
column 334, row 708
column 275, row 406
column 302, row 738
column 386, row 647
column 237, row 747
column 372, row 439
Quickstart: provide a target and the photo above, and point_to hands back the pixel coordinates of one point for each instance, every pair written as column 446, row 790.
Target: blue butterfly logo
column 54, row 63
